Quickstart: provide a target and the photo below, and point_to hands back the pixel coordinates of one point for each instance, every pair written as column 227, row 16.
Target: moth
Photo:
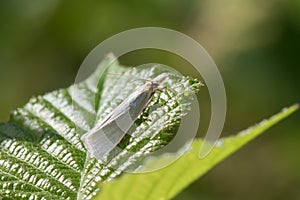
column 101, row 140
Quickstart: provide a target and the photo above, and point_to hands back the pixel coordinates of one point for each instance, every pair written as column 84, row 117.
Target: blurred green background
column 256, row 45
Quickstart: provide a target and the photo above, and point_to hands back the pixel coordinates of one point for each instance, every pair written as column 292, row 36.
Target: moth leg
column 145, row 112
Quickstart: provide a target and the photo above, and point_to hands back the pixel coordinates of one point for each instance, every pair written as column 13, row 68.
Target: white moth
column 101, row 140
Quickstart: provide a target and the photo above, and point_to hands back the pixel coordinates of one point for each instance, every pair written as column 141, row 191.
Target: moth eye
column 155, row 84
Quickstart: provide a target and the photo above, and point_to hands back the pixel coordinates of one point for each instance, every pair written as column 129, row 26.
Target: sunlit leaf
column 168, row 182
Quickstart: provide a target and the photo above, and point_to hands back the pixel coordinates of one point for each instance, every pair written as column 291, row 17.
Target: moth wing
column 101, row 141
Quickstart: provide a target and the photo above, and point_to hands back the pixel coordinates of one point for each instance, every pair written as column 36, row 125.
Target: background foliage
column 254, row 43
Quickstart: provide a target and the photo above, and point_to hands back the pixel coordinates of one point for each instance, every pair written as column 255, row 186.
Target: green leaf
column 168, row 182
column 42, row 155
